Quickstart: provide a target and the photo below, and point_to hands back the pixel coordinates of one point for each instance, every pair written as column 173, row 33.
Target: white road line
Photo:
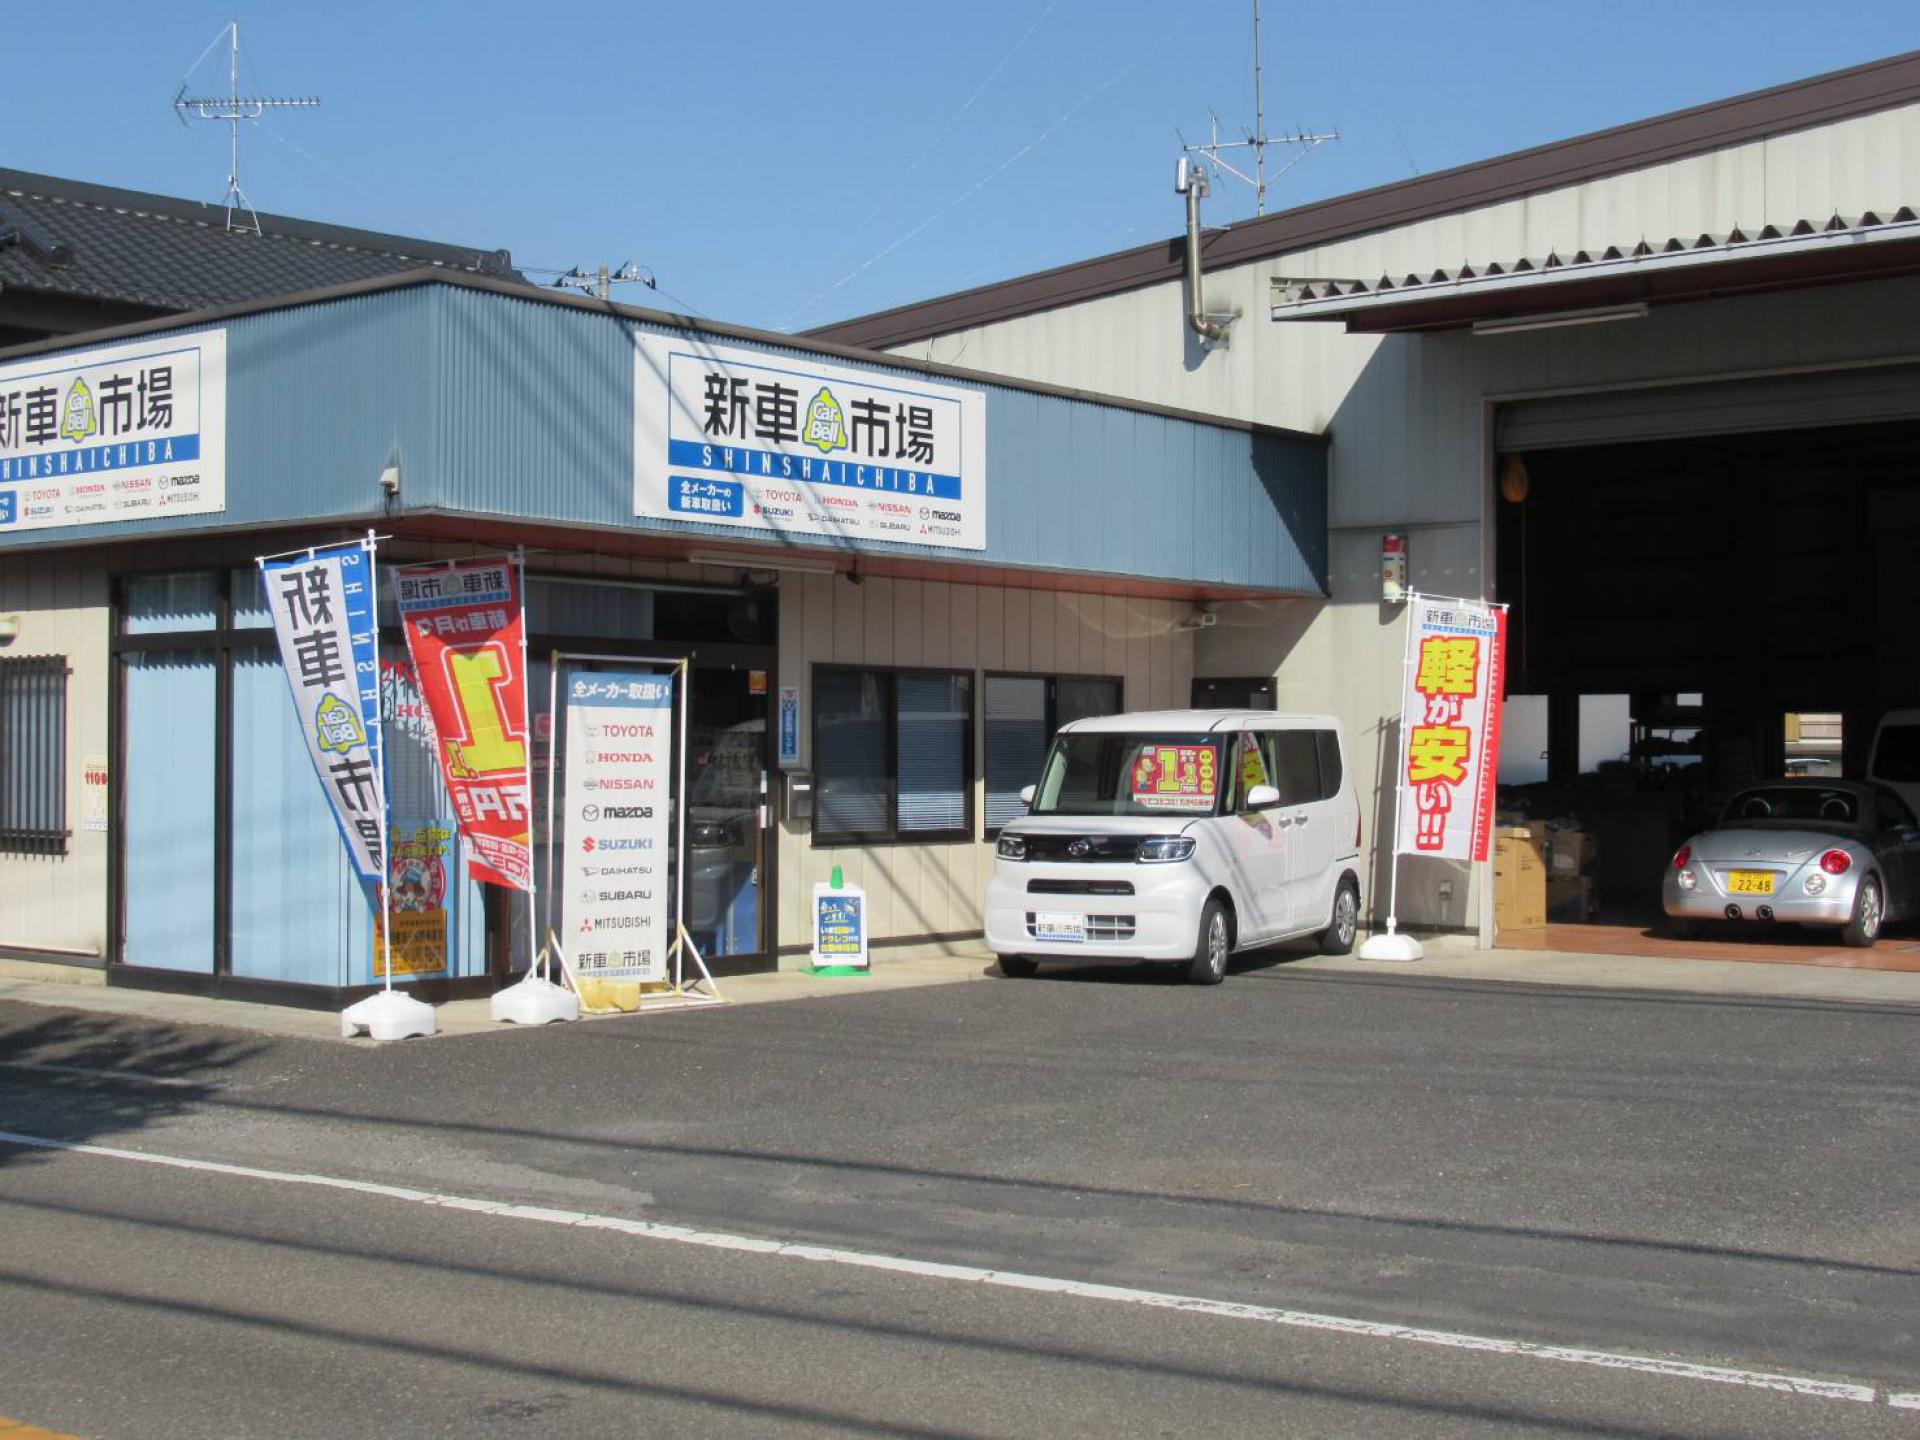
column 87, row 1073
column 1008, row 1279
column 1903, row 1401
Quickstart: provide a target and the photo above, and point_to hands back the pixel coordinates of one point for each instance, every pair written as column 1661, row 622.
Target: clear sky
column 787, row 164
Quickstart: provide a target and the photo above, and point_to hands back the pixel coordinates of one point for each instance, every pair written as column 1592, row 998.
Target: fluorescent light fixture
column 735, row 560
column 1559, row 319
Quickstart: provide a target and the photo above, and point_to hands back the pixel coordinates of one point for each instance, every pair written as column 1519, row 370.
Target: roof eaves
column 1796, row 105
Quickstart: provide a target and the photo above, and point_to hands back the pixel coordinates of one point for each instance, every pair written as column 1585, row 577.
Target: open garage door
column 1692, row 612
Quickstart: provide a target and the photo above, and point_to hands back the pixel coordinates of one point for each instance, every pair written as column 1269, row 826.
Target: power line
column 999, row 169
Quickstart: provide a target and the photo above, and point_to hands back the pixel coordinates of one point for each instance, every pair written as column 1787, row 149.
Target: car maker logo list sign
column 615, row 898
column 748, row 439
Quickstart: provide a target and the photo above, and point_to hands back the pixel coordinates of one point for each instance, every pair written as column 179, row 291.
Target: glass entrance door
column 728, row 885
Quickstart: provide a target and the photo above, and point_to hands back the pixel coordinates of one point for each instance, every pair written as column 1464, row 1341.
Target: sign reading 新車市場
column 728, row 436
column 121, row 432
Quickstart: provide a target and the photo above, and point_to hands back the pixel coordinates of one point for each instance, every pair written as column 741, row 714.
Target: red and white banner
column 1455, row 684
column 465, row 632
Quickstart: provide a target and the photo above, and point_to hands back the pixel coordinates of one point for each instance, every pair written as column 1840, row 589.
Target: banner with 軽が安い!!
column 1450, row 719
column 323, row 617
column 464, row 631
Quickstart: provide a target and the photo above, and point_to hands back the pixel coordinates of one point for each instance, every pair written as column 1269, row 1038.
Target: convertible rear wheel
column 1868, row 911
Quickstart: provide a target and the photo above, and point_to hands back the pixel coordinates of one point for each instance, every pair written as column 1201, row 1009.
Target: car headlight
column 1159, row 849
column 1011, row 847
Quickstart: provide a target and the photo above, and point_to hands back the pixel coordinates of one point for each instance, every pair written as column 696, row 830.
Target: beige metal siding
column 921, row 890
column 58, row 903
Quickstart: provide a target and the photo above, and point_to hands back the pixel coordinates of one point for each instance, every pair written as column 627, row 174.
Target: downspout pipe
column 1206, row 329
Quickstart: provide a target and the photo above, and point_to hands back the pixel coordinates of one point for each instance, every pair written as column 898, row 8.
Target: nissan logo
column 1081, row 848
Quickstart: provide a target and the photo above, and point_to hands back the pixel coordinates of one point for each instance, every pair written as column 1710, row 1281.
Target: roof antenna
column 232, row 108
column 1259, row 140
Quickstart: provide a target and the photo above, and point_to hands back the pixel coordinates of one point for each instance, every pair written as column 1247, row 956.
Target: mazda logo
column 1080, row 848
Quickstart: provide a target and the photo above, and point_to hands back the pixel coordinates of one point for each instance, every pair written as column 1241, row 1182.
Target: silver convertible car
column 1807, row 852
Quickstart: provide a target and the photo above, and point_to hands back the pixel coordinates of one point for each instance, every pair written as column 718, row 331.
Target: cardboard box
column 1569, row 899
column 1519, row 879
column 1570, row 852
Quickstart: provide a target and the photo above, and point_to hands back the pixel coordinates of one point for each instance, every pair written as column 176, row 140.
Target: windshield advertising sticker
column 124, row 432
column 614, row 897
column 1176, row 777
column 752, row 440
column 1450, row 717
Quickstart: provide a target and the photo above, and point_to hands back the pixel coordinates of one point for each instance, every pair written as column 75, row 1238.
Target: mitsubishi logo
column 1081, row 848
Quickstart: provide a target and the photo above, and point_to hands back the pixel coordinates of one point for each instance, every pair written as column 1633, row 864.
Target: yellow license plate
column 1750, row 882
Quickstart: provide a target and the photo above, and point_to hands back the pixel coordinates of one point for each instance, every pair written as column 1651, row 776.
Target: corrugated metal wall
column 496, row 405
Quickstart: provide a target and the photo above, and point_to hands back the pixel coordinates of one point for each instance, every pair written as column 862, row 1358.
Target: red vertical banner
column 465, row 632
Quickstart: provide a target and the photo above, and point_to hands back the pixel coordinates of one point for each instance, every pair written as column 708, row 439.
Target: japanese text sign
column 619, row 804
column 122, row 432
column 1454, row 687
column 323, row 617
column 755, row 440
column 1176, row 777
column 464, row 631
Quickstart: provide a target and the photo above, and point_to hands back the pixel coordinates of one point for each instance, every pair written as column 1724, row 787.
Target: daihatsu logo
column 1080, row 848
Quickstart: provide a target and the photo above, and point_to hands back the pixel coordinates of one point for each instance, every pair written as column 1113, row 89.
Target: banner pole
column 553, row 768
column 1393, row 945
column 680, row 844
column 519, row 562
column 379, row 715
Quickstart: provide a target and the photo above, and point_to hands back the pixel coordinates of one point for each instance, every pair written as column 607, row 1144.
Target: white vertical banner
column 1453, row 686
column 323, row 617
column 616, row 904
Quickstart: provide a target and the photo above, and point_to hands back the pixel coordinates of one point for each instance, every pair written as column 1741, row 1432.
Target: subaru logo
column 1081, row 848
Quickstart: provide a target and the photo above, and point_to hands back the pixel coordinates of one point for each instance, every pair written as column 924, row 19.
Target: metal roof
column 1818, row 100
column 71, row 238
column 1595, row 284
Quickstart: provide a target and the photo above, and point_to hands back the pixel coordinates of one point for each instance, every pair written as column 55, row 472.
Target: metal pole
column 519, row 562
column 553, row 765
column 386, row 865
column 1259, row 123
column 1400, row 775
column 680, row 850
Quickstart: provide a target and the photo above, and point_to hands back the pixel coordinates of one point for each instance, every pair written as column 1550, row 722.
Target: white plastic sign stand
column 535, row 1000
column 840, row 928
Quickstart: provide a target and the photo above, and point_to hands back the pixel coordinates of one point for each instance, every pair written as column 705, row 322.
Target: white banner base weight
column 390, row 1015
column 535, row 1001
column 1391, row 945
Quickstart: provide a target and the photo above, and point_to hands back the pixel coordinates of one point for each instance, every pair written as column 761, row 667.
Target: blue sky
column 789, row 164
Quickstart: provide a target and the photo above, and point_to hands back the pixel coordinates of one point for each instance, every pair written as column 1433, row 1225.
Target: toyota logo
column 1080, row 848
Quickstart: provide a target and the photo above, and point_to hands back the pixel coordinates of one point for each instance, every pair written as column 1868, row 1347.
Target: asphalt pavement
column 1306, row 1202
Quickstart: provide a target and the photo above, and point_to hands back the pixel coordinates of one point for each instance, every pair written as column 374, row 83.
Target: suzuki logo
column 1080, row 848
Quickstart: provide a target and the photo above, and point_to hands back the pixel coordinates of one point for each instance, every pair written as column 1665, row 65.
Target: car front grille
column 1080, row 887
column 1102, row 928
column 1075, row 849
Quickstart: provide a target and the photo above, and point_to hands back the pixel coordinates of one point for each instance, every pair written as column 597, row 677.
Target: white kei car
column 1180, row 836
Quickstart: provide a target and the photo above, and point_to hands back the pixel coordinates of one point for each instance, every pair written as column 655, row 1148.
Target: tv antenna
column 600, row 283
column 232, row 108
column 1259, row 141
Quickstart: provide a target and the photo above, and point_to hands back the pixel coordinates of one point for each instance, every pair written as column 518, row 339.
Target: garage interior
column 1691, row 612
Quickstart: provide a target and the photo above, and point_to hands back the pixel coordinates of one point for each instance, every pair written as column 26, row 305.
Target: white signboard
column 615, row 902
column 122, row 432
column 747, row 439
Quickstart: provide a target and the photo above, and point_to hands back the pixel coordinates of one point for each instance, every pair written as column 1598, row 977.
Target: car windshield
column 1812, row 803
column 1117, row 773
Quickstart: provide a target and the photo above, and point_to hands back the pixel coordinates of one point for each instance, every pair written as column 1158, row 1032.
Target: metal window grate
column 33, row 755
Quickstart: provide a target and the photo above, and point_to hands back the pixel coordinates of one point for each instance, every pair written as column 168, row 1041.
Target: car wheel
column 1337, row 938
column 1215, row 943
column 1017, row 967
column 1868, row 911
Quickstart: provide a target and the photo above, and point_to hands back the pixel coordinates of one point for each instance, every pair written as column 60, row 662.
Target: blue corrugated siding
column 495, row 405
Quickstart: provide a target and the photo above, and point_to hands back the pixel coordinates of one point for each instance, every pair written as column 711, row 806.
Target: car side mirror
column 1262, row 797
column 1026, row 796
